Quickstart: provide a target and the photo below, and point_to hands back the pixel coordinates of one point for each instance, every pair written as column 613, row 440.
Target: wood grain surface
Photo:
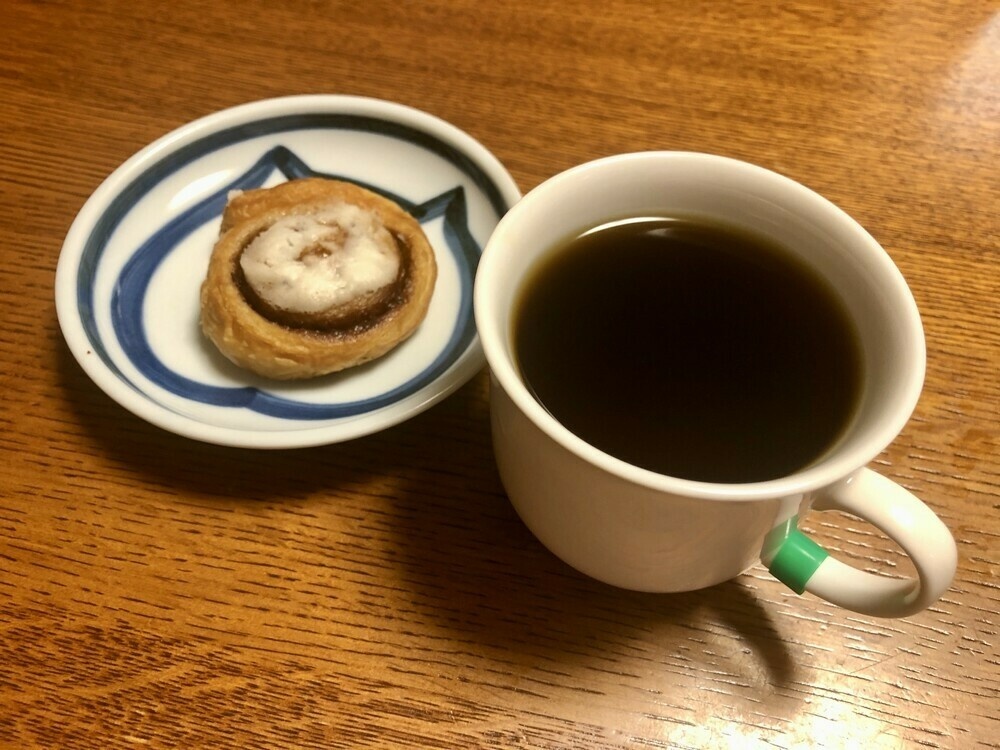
column 158, row 592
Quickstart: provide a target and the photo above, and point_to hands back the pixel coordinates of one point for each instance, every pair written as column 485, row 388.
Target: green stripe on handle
column 796, row 560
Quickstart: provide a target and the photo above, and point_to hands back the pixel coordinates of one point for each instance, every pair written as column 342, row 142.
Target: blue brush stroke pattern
column 134, row 279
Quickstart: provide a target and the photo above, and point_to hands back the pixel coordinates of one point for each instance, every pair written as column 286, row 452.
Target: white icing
column 311, row 263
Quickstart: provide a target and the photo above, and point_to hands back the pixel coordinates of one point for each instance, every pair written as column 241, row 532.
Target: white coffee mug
column 637, row 529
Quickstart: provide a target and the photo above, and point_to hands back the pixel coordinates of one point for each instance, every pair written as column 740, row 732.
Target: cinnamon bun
column 314, row 276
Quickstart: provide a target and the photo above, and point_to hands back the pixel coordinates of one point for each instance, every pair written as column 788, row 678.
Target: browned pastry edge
column 277, row 350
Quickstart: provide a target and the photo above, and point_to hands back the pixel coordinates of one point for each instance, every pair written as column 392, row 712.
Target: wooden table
column 159, row 592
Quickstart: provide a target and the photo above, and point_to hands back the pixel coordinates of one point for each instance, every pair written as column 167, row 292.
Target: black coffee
column 689, row 348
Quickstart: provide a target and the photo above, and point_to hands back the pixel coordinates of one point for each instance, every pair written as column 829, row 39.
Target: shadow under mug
column 640, row 530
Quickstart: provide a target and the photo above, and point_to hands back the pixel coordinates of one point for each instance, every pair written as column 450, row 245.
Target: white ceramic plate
column 130, row 270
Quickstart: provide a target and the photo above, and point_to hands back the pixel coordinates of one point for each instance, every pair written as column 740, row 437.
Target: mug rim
column 846, row 459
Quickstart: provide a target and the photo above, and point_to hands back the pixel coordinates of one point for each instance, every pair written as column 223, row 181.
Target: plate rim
column 127, row 395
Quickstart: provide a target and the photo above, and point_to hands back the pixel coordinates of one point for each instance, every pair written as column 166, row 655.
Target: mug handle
column 803, row 565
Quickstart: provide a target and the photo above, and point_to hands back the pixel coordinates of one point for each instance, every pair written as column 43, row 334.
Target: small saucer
column 128, row 279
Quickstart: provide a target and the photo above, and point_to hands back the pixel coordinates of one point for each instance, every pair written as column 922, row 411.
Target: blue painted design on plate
column 133, row 281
